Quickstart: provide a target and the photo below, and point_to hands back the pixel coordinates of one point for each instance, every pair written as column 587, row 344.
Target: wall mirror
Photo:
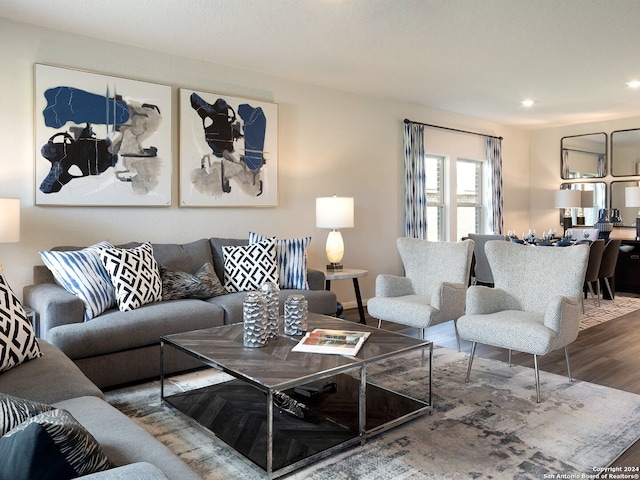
column 583, row 156
column 625, row 152
column 593, row 201
column 627, row 214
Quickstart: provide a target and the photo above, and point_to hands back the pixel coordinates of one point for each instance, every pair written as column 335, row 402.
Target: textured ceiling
column 474, row 57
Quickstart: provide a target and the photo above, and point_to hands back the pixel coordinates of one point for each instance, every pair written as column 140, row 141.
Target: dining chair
column 482, row 271
column 528, row 310
column 608, row 263
column 596, row 249
column 433, row 288
column 582, row 234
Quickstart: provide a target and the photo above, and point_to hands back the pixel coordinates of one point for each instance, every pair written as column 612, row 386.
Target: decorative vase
column 295, row 315
column 603, row 224
column 271, row 294
column 615, row 217
column 254, row 315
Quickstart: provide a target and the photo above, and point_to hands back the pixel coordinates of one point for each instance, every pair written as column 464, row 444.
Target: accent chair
column 535, row 304
column 433, row 288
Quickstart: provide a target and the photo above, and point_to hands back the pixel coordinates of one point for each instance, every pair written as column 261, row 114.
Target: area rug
column 489, row 428
column 608, row 310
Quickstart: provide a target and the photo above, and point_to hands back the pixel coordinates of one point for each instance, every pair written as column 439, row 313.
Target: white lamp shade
column 334, row 212
column 9, row 220
column 568, row 198
column 632, row 196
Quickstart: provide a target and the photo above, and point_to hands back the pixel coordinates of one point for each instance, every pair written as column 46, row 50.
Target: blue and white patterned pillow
column 292, row 260
column 82, row 273
column 248, row 267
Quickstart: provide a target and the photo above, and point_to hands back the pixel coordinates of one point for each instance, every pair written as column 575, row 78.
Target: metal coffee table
column 242, row 412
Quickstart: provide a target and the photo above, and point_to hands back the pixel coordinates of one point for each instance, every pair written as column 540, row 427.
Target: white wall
column 545, row 169
column 330, row 142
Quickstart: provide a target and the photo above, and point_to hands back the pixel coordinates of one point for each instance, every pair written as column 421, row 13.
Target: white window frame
column 439, row 203
column 478, row 204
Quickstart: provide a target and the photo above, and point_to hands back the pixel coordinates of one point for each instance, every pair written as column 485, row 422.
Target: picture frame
column 101, row 140
column 228, row 151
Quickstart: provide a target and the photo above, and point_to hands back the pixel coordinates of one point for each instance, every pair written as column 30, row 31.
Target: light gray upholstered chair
column 433, row 289
column 482, row 270
column 535, row 304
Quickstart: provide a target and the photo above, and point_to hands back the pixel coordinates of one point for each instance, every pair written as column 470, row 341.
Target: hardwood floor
column 607, row 354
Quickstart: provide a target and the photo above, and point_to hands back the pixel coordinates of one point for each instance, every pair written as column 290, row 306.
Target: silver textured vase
column 295, row 315
column 254, row 315
column 271, row 294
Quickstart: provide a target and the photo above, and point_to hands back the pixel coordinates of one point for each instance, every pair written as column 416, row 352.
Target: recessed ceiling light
column 527, row 103
column 633, row 84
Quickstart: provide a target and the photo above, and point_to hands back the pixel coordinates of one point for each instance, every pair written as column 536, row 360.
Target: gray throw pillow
column 202, row 284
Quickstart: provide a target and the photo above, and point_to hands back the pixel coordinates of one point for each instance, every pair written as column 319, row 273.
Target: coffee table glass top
column 275, row 366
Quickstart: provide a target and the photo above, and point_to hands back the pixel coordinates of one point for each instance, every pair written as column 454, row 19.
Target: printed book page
column 340, row 342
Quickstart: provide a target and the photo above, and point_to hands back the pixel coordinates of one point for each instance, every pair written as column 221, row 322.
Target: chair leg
column 509, row 361
column 537, row 374
column 473, row 352
column 455, row 326
column 566, row 356
column 608, row 285
column 423, row 335
column 582, row 302
column 593, row 295
column 598, row 290
column 379, row 322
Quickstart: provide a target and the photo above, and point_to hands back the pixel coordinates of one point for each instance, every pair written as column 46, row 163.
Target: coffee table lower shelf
column 236, row 412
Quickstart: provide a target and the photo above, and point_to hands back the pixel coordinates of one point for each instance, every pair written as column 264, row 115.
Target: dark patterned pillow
column 51, row 445
column 18, row 341
column 134, row 274
column 248, row 267
column 14, row 411
column 202, row 284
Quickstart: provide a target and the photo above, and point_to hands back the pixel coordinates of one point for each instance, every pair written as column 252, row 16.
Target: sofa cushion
column 32, row 379
column 247, row 267
column 292, row 260
column 116, row 331
column 82, row 273
column 18, row 341
column 202, row 284
column 51, row 445
column 134, row 274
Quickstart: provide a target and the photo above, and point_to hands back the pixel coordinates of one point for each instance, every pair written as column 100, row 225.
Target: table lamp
column 632, row 199
column 9, row 221
column 568, row 199
column 334, row 213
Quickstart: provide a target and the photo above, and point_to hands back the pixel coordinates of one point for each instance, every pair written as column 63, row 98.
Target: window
column 469, row 197
column 434, row 168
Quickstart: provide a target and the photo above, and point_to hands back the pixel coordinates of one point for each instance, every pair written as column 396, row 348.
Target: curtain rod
column 406, row 120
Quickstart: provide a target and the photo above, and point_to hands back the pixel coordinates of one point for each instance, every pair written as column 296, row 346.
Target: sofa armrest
column 54, row 306
column 315, row 279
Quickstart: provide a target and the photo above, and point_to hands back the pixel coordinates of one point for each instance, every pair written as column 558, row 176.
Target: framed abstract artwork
column 228, row 151
column 101, row 140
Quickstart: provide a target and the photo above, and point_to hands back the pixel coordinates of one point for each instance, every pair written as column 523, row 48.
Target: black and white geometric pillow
column 18, row 341
column 134, row 274
column 248, row 267
column 51, row 445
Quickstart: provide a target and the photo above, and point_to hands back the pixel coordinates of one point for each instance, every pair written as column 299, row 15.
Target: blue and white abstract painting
column 101, row 140
column 228, row 151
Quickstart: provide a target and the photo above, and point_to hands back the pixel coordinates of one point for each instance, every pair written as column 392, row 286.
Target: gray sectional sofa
column 55, row 380
column 122, row 347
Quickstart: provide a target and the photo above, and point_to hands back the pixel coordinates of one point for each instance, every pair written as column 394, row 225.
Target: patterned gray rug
column 490, row 428
column 608, row 309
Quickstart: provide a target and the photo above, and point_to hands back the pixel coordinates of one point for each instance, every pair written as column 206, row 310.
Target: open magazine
column 337, row 342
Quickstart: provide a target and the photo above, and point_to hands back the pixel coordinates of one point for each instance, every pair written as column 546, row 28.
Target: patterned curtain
column 415, row 182
column 496, row 202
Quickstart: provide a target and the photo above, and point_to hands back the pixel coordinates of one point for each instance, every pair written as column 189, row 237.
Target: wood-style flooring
column 607, row 354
